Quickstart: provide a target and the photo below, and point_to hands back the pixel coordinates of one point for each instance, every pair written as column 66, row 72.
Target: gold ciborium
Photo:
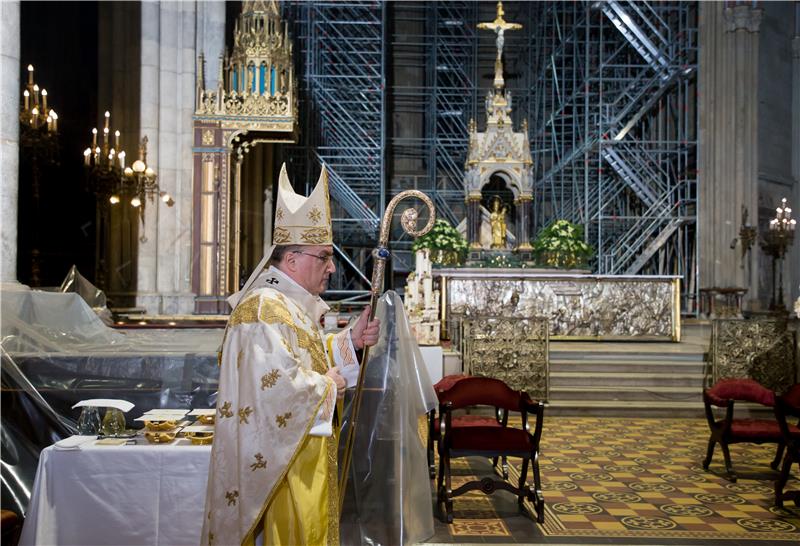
column 199, row 438
column 161, row 425
column 155, row 437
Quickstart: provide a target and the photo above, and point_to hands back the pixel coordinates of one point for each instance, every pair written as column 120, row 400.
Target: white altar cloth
column 120, row 495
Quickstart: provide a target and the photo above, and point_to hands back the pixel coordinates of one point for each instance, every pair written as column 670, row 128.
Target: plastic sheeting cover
column 56, row 352
column 388, row 498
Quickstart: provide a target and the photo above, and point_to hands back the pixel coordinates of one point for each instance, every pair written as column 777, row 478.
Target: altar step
column 627, row 379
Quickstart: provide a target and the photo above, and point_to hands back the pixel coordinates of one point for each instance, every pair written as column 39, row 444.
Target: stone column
column 9, row 139
column 474, row 222
column 168, row 59
column 728, row 151
column 794, row 255
column 524, row 206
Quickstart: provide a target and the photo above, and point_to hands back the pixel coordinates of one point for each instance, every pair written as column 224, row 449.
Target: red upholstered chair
column 729, row 430
column 498, row 440
column 459, row 421
column 788, row 406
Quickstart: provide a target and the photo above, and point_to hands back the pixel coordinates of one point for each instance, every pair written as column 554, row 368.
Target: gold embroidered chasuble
column 273, row 461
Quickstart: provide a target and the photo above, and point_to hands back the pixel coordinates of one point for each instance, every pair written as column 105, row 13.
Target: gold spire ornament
column 256, row 88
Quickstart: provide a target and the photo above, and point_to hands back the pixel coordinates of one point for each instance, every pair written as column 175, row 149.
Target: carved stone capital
column 742, row 17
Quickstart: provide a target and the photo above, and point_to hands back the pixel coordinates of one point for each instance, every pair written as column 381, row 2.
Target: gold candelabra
column 35, row 113
column 778, row 238
column 104, row 164
column 38, row 140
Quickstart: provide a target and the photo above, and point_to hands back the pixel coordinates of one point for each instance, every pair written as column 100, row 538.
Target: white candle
column 36, row 95
column 30, row 74
column 427, row 285
column 44, row 100
column 122, row 160
column 116, row 140
column 27, row 97
column 108, row 117
column 411, row 293
column 94, row 137
column 86, row 154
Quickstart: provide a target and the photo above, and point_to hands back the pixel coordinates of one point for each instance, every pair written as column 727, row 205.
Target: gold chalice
column 205, row 419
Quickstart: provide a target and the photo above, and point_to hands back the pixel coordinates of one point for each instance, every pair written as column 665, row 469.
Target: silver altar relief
column 576, row 306
column 513, row 350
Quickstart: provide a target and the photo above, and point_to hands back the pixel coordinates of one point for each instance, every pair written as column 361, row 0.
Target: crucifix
column 499, row 26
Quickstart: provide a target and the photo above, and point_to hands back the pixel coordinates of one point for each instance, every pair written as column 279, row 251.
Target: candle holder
column 38, row 141
column 140, row 183
column 777, row 240
column 104, row 163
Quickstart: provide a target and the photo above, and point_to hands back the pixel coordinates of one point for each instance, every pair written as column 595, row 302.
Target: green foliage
column 442, row 236
column 561, row 245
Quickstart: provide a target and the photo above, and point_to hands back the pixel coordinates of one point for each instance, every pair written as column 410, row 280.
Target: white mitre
column 298, row 221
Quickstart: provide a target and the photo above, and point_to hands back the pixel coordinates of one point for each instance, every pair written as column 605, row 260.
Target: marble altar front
column 577, row 305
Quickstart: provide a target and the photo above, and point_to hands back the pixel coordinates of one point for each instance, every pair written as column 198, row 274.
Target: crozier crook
column 408, row 220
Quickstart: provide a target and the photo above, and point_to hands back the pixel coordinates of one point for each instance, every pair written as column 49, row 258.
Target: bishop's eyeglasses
column 327, row 258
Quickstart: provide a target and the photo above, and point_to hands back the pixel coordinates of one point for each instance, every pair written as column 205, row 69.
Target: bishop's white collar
column 280, row 281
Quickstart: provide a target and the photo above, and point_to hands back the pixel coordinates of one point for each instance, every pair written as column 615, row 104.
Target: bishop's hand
column 365, row 332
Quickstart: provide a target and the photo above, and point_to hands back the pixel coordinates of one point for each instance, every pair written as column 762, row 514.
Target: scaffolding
column 343, row 100
column 614, row 131
column 608, row 90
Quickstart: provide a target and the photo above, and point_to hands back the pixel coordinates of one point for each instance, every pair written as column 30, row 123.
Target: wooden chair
column 494, row 441
column 10, row 527
column 500, row 419
column 730, row 430
column 787, row 406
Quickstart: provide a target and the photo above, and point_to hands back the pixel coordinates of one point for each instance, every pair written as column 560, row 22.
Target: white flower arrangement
column 441, row 237
column 561, row 245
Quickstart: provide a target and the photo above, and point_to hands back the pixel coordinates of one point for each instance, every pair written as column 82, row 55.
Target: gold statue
column 497, row 218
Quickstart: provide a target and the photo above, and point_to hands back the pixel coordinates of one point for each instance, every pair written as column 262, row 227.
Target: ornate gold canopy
column 257, row 90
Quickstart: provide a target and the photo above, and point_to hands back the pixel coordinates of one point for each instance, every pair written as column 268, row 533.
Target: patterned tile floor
column 630, row 481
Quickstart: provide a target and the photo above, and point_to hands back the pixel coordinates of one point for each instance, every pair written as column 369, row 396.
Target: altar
column 577, row 305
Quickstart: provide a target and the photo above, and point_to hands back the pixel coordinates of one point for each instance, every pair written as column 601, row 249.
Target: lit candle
column 86, row 154
column 30, row 74
column 96, row 154
column 27, row 99
column 55, row 120
column 108, row 118
column 122, row 160
column 36, row 95
column 105, row 136
column 116, row 139
column 94, row 137
column 44, row 100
